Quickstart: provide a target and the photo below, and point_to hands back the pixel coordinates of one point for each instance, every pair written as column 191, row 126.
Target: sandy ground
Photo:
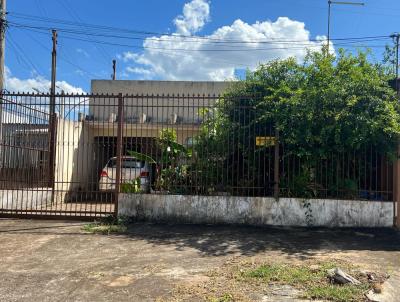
column 58, row 261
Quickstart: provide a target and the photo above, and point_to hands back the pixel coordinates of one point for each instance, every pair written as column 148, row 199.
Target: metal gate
column 77, row 159
column 50, row 162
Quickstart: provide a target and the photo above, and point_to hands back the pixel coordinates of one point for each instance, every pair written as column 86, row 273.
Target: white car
column 131, row 170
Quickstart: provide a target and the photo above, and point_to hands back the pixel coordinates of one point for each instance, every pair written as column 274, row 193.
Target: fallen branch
column 340, row 277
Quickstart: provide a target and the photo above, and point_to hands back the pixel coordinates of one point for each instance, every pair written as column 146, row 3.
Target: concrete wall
column 75, row 160
column 26, row 199
column 256, row 210
column 157, row 109
column 30, row 138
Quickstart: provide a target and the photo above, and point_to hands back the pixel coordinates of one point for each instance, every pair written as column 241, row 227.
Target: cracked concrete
column 57, row 261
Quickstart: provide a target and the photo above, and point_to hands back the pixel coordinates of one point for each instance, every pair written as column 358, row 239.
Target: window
column 127, row 163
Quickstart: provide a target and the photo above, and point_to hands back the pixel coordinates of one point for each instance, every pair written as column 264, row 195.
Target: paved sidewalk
column 58, row 261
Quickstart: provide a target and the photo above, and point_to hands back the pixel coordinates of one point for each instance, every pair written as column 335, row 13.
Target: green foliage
column 107, row 225
column 389, row 60
column 142, row 157
column 224, row 298
column 325, row 106
column 313, row 282
column 300, row 184
column 172, row 151
column 132, row 186
column 174, row 175
column 344, row 293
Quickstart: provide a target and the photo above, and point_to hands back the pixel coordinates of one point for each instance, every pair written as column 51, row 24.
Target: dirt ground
column 58, row 261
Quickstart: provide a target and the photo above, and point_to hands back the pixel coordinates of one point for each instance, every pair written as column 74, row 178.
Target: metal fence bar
column 119, row 150
column 396, row 189
column 276, row 164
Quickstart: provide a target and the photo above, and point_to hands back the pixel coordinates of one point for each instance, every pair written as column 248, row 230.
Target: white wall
column 74, row 157
column 256, row 210
column 158, row 108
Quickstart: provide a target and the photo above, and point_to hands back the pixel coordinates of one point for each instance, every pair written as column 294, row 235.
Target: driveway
column 58, row 261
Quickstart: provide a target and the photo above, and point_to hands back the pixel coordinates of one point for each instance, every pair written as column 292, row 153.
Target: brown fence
column 162, row 144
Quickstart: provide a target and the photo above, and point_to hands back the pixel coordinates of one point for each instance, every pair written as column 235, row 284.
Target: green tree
column 325, row 106
column 389, row 59
column 173, row 174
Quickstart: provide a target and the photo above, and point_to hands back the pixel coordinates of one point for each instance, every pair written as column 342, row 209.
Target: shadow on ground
column 303, row 242
column 221, row 240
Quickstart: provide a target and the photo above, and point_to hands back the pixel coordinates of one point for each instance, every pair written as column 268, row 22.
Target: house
column 149, row 107
column 86, row 130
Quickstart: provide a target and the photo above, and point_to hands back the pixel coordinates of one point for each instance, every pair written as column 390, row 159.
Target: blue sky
column 169, row 52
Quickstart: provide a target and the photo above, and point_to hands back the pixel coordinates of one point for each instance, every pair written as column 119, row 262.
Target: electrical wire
column 295, row 46
column 22, row 53
column 298, row 42
column 115, row 29
column 76, row 17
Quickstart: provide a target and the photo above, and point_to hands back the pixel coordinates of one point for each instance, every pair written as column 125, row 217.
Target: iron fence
column 164, row 144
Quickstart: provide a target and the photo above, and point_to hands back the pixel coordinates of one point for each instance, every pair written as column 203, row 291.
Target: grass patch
column 312, row 280
column 340, row 293
column 106, row 226
column 223, row 298
column 289, row 274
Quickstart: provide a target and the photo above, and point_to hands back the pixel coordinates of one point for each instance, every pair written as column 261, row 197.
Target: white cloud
column 40, row 83
column 83, row 52
column 139, row 70
column 127, row 56
column 174, row 57
column 195, row 15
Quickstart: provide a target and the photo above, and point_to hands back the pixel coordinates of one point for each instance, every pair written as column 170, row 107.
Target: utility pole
column 396, row 164
column 53, row 117
column 329, row 25
column 396, row 39
column 114, row 69
column 53, row 74
column 330, row 2
column 3, row 26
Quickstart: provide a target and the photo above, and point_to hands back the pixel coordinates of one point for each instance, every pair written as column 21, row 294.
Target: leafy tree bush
column 325, row 107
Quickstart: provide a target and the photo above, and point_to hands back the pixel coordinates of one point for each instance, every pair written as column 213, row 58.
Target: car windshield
column 127, row 163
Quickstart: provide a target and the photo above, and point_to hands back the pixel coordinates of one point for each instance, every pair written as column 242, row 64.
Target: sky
column 177, row 39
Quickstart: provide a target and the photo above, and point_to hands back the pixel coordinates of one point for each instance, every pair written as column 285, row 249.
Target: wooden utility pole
column 53, row 117
column 2, row 40
column 114, row 69
column 53, row 74
column 3, row 25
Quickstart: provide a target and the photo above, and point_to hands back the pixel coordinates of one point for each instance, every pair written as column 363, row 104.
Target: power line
column 296, row 46
column 171, row 51
column 63, row 57
column 24, row 56
column 115, row 29
column 97, row 34
column 75, row 16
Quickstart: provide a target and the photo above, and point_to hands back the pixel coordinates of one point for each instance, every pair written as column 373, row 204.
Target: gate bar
column 119, row 150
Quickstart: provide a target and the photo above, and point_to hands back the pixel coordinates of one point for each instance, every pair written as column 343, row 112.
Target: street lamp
column 329, row 14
